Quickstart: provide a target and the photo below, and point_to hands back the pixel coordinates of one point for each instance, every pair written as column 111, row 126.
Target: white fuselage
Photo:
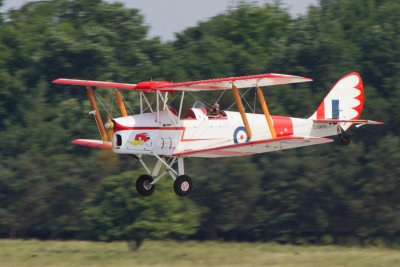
column 164, row 134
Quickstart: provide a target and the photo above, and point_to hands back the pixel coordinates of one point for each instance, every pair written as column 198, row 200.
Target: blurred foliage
column 116, row 212
column 317, row 194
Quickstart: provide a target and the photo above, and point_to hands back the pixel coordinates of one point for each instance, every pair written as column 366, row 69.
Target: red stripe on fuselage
column 283, row 126
column 119, row 127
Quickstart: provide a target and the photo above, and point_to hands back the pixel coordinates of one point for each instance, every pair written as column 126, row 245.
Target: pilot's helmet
column 215, row 106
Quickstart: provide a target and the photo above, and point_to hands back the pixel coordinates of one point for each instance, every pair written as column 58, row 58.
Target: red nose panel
column 283, row 126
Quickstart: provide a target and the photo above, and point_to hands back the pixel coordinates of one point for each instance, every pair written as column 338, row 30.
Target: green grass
column 171, row 253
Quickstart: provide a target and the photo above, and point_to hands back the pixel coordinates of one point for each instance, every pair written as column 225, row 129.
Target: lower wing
column 351, row 121
column 93, row 143
column 255, row 147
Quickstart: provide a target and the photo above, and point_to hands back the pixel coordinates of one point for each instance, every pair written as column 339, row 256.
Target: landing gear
column 344, row 139
column 144, row 185
column 183, row 185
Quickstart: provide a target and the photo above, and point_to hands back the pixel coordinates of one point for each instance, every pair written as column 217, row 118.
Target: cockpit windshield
column 199, row 104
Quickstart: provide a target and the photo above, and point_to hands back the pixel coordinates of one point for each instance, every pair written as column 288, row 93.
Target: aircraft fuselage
column 164, row 134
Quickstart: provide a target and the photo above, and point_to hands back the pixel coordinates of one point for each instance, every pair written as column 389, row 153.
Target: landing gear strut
column 145, row 184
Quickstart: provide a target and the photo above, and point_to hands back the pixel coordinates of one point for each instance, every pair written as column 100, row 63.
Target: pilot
column 214, row 111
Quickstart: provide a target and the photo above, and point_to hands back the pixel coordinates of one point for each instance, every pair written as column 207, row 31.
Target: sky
column 165, row 17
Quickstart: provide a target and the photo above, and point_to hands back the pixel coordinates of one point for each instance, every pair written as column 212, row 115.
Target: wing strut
column 266, row 112
column 120, row 103
column 97, row 114
column 241, row 110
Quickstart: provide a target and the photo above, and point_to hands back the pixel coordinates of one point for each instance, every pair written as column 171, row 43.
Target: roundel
column 240, row 135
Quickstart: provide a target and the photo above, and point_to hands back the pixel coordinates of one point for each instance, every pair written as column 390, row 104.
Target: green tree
column 115, row 211
column 304, row 194
column 235, row 43
column 228, row 189
column 45, row 178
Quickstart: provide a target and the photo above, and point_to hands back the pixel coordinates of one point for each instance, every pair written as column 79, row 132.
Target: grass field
column 171, row 253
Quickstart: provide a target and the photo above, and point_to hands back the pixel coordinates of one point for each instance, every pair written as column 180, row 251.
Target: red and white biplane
column 171, row 135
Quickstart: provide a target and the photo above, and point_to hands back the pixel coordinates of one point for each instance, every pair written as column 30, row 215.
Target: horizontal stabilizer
column 255, row 147
column 93, row 143
column 350, row 121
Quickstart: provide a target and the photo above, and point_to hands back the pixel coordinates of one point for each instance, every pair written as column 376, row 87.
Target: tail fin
column 343, row 102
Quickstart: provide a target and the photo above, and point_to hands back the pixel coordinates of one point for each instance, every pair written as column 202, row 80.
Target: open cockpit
column 199, row 110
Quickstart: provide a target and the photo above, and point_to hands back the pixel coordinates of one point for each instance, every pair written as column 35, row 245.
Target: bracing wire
column 198, row 98
column 223, row 92
column 112, row 106
column 127, row 103
column 241, row 96
column 153, row 99
column 172, row 99
column 101, row 101
column 151, row 102
column 247, row 102
column 205, row 102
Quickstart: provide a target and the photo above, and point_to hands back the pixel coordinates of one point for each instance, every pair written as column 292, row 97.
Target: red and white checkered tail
column 343, row 102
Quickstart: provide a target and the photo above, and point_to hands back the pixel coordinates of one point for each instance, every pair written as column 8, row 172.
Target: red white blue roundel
column 240, row 135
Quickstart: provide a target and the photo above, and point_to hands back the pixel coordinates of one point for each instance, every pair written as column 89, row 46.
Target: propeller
column 109, row 125
column 106, row 130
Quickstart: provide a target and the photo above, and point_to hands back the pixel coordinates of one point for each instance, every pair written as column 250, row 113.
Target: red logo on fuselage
column 140, row 139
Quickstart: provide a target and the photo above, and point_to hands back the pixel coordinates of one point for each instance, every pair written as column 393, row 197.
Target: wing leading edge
column 255, row 147
column 203, row 85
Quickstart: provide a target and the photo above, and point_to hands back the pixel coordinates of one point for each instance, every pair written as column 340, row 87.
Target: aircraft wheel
column 144, row 186
column 345, row 140
column 183, row 185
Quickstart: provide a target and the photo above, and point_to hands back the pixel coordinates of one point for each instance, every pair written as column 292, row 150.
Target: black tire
column 143, row 185
column 183, row 185
column 345, row 140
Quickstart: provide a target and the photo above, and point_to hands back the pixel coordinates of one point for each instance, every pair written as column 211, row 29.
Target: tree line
column 324, row 194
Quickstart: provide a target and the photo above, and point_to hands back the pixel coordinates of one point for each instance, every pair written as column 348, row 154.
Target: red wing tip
column 91, row 143
column 64, row 80
column 57, row 81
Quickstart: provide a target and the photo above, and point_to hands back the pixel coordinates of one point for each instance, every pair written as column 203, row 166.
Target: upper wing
column 204, row 85
column 255, row 147
column 240, row 82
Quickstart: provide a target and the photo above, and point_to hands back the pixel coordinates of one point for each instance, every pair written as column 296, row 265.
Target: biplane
column 171, row 135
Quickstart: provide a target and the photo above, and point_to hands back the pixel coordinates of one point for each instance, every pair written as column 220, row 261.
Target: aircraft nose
column 120, row 124
column 109, row 125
